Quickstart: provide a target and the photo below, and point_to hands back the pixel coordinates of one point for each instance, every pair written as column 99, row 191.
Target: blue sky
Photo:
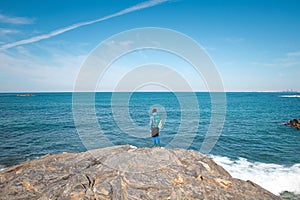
column 254, row 44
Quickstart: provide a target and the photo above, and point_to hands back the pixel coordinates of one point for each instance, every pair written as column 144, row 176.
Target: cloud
column 293, row 54
column 22, row 70
column 290, row 59
column 6, row 31
column 15, row 20
column 140, row 6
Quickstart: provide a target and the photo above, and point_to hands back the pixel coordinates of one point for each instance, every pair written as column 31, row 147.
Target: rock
column 294, row 123
column 123, row 172
column 289, row 196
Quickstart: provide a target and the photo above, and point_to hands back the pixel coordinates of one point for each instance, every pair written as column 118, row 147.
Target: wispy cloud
column 292, row 54
column 140, row 6
column 23, row 70
column 290, row 59
column 15, row 20
column 5, row 31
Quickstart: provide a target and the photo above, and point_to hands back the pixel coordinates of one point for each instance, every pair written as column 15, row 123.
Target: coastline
column 142, row 172
column 35, row 129
column 275, row 178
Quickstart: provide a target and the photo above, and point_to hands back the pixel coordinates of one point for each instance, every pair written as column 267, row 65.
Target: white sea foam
column 291, row 96
column 2, row 167
column 273, row 177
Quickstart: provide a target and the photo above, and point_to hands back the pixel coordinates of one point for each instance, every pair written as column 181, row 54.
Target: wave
column 2, row 167
column 273, row 177
column 290, row 96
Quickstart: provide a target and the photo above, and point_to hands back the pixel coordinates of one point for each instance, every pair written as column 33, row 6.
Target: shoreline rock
column 294, row 123
column 123, row 172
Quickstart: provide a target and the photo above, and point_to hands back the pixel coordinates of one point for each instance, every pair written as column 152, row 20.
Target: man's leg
column 158, row 141
column 154, row 141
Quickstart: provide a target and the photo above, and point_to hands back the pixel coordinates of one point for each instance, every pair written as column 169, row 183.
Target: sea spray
column 273, row 177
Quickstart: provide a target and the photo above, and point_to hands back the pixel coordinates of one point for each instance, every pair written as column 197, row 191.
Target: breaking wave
column 273, row 177
column 290, row 96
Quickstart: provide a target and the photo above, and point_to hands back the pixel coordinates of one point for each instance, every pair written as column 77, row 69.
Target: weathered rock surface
column 124, row 172
column 294, row 123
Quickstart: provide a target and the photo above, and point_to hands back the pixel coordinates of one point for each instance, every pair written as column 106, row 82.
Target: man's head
column 154, row 110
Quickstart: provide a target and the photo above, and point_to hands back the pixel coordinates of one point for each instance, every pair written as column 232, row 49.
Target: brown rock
column 178, row 180
column 293, row 123
column 122, row 172
column 224, row 183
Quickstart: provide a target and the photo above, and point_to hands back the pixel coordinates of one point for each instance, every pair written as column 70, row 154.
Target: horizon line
column 32, row 92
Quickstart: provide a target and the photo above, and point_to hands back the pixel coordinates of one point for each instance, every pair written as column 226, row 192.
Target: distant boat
column 24, row 95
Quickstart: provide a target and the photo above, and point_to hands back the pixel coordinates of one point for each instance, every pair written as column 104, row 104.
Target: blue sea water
column 254, row 144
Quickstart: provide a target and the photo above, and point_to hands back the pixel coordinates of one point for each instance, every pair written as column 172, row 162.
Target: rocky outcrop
column 125, row 172
column 289, row 196
column 294, row 123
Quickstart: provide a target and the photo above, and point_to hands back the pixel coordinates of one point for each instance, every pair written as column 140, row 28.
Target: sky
column 254, row 44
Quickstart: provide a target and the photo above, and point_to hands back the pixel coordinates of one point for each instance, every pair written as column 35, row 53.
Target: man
column 155, row 124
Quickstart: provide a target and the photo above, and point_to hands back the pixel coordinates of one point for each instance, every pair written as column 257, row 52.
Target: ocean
column 253, row 143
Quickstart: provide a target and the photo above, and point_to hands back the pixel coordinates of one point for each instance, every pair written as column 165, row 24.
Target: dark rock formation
column 124, row 172
column 294, row 123
column 289, row 196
